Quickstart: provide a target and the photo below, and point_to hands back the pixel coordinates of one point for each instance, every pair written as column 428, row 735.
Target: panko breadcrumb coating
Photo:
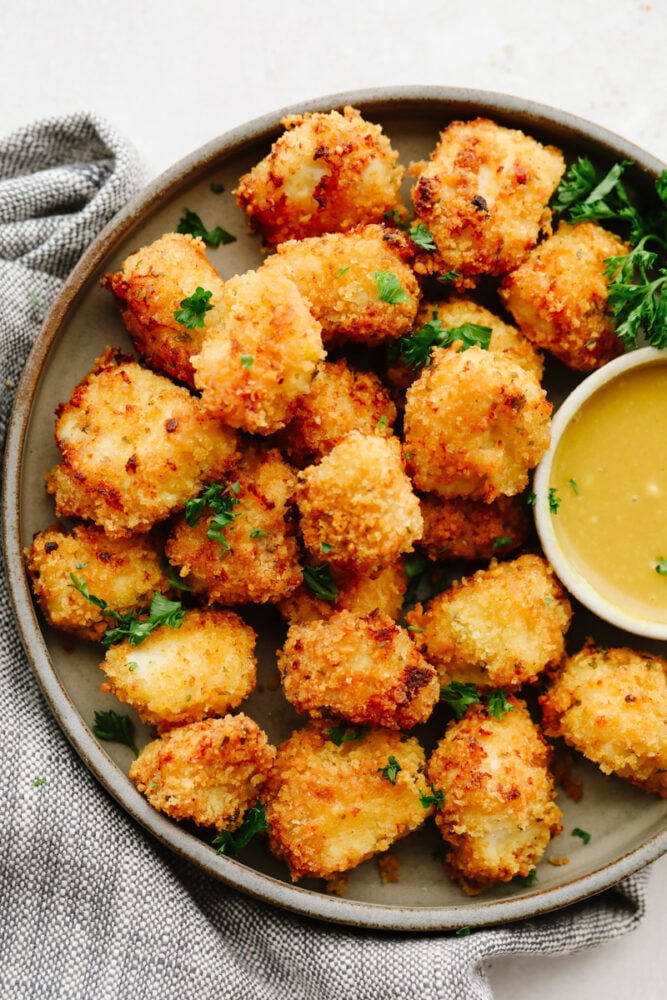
column 328, row 172
column 260, row 560
column 611, row 705
column 498, row 814
column 124, row 572
column 336, row 273
column 329, row 807
column 204, row 667
column 459, row 528
column 358, row 592
column 254, row 367
column 363, row 668
column 499, row 628
column 210, row 772
column 341, row 399
column 149, row 289
column 357, row 505
column 483, row 196
column 135, row 448
column 559, row 295
column 475, row 424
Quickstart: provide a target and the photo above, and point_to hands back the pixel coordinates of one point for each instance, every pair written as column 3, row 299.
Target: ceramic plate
column 628, row 827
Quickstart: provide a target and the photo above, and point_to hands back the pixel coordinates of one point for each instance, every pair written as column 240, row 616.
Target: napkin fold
column 92, row 906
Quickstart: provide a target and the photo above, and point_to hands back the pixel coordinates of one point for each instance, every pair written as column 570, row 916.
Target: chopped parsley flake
column 222, row 502
column 38, row 782
column 661, row 566
column 554, row 500
column 191, row 223
column 115, row 728
column 390, row 771
column 423, row 238
column 497, row 703
column 389, row 288
column 231, row 842
column 342, row 733
column 415, row 349
column 582, row 834
column 437, row 799
column 574, row 486
column 129, row 627
column 247, row 360
column 459, row 697
column 194, row 308
column 320, row 581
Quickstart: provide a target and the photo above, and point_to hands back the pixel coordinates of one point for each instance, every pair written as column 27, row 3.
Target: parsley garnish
column 38, row 782
column 574, row 486
column 437, row 799
column 527, row 880
column 231, row 842
column 497, row 704
column 161, row 612
column 193, row 309
column 216, row 187
column 463, row 931
column 531, row 499
column 661, row 566
column 390, row 770
column 586, row 196
column 389, row 288
column 501, row 542
column 342, row 733
column 320, row 581
column 447, row 277
column 174, row 579
column 554, row 500
column 222, row 502
column 582, row 834
column 420, row 235
column 459, row 696
column 115, row 728
column 636, row 300
column 191, row 223
column 415, row 350
column 258, row 533
column 247, row 360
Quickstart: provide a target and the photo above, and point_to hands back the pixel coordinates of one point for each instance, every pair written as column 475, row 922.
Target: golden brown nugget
column 331, row 805
column 150, row 287
column 559, row 295
column 205, row 667
column 475, row 424
column 363, row 668
column 123, row 572
column 498, row 815
column 255, row 366
column 499, row 628
column 483, row 196
column 326, row 173
column 255, row 556
column 135, row 448
column 209, row 772
column 459, row 528
column 358, row 592
column 358, row 505
column 611, row 705
column 341, row 275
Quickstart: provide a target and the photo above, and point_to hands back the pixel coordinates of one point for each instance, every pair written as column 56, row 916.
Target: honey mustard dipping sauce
column 608, row 491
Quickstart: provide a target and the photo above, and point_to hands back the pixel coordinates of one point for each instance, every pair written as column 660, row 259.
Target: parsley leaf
column 437, row 799
column 390, row 770
column 193, row 309
column 582, row 834
column 342, row 733
column 423, row 238
column 638, row 301
column 191, row 223
column 661, row 566
column 501, row 542
column 389, row 288
column 222, row 502
column 115, row 728
column 459, row 696
column 38, row 782
column 231, row 842
column 161, row 612
column 320, row 581
column 527, row 880
column 415, row 349
column 586, row 196
column 497, row 703
column 554, row 500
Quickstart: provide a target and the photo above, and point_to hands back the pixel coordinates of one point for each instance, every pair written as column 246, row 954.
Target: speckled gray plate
column 628, row 827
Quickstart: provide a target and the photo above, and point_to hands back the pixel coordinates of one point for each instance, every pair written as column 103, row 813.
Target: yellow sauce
column 610, row 474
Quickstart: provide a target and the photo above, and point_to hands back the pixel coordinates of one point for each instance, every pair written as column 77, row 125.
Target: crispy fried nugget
column 205, row 667
column 358, row 592
column 338, row 274
column 135, row 448
column 258, row 559
column 498, row 814
column 499, row 628
column 331, row 805
column 255, row 366
column 459, row 528
column 559, row 295
column 325, row 173
column 149, row 289
column 475, row 424
column 364, row 668
column 209, row 772
column 358, row 505
column 124, row 572
column 611, row 705
column 483, row 195
column 341, row 399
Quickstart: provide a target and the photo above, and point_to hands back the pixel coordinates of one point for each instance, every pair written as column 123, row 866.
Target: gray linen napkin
column 90, row 905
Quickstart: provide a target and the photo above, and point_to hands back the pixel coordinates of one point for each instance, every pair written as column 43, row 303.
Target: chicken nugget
column 255, row 366
column 363, row 668
column 611, row 705
column 335, row 796
column 459, row 528
column 358, row 592
column 475, row 424
column 499, row 628
column 151, row 288
column 123, row 572
column 205, row 667
column 209, row 772
column 497, row 814
column 559, row 295
column 325, row 173
column 135, row 448
column 483, row 196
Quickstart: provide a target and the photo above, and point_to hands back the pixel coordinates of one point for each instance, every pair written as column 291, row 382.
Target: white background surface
column 173, row 75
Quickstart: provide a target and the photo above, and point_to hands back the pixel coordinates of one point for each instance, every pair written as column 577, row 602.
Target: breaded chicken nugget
column 363, row 668
column 475, row 424
column 255, row 366
column 459, row 528
column 483, row 196
column 358, row 592
column 205, row 667
column 150, row 288
column 559, row 295
column 357, row 505
column 335, row 797
column 343, row 277
column 124, row 572
column 341, row 399
column 254, row 556
column 209, row 772
column 326, row 173
column 498, row 813
column 499, row 628
column 135, row 448
column 611, row 705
